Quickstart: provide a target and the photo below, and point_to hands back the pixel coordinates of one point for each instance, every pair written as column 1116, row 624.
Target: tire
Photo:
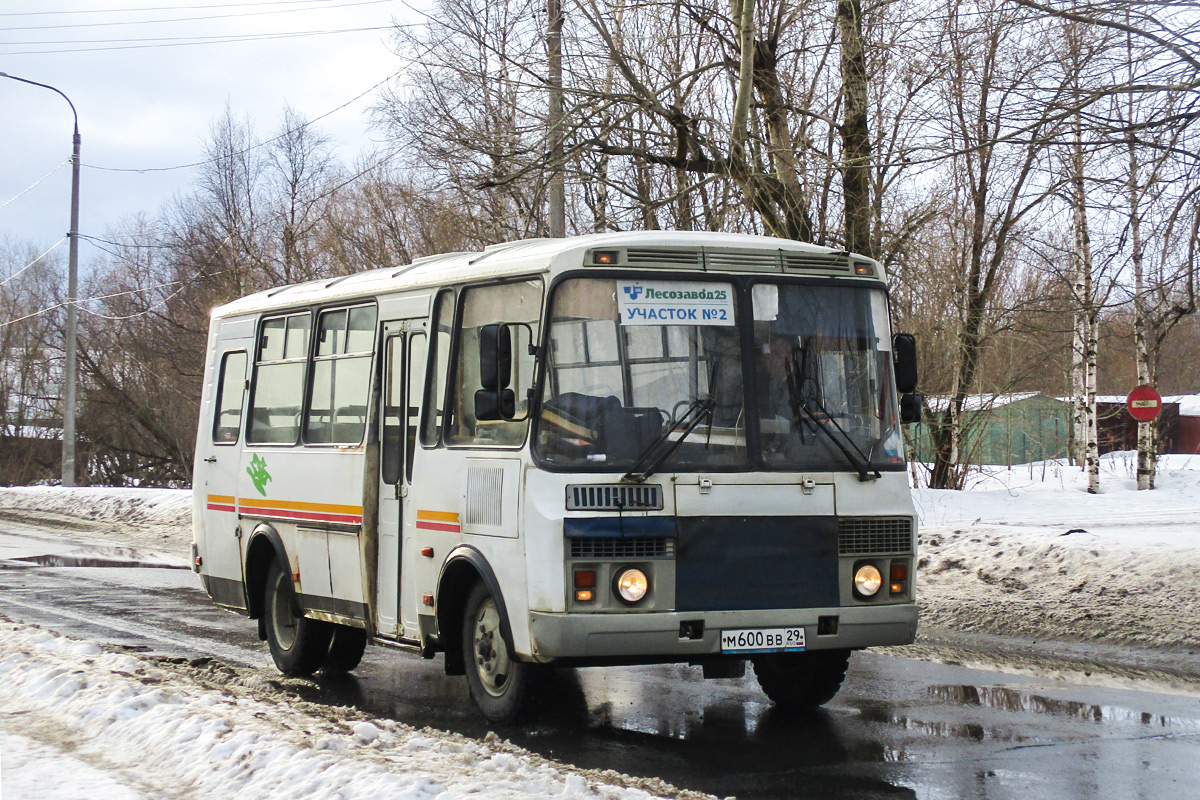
column 501, row 687
column 298, row 644
column 345, row 649
column 802, row 681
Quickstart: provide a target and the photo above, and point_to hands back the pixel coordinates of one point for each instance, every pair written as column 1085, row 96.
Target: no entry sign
column 1144, row 403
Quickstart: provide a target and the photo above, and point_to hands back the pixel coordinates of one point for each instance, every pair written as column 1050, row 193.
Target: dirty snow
column 1025, row 552
column 1028, row 552
column 77, row 721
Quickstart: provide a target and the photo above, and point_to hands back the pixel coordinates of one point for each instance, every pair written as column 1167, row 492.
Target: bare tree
column 1000, row 135
column 299, row 173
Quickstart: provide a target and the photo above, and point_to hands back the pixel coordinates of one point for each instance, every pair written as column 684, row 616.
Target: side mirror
column 495, row 357
column 497, row 370
column 904, row 362
column 492, row 404
column 910, row 407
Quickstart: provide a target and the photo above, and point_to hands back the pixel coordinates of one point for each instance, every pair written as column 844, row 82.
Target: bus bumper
column 661, row 635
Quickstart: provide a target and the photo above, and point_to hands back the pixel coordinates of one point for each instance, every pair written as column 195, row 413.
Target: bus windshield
column 661, row 372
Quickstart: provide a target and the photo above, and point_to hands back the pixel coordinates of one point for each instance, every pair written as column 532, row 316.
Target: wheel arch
column 461, row 570
column 265, row 546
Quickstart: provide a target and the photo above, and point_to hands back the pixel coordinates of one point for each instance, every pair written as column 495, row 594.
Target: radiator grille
column 614, row 497
column 597, row 548
column 874, row 535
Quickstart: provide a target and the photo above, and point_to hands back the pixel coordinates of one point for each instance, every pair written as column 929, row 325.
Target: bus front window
column 628, row 359
column 824, row 377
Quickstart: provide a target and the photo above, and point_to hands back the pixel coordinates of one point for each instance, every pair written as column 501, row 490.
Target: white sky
column 145, row 105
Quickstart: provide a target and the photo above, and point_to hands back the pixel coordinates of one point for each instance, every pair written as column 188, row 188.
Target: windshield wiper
column 861, row 462
column 696, row 411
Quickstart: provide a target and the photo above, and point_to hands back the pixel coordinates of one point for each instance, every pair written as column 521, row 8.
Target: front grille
column 611, row 547
column 874, row 535
column 614, row 497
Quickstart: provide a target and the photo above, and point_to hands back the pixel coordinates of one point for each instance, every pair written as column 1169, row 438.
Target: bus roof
column 686, row 250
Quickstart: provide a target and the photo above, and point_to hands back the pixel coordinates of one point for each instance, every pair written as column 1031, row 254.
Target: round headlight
column 632, row 585
column 867, row 580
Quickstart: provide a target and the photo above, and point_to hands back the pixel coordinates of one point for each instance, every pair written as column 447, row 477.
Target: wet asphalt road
column 899, row 728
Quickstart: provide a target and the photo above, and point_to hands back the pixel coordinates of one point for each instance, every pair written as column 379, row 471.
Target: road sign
column 1144, row 403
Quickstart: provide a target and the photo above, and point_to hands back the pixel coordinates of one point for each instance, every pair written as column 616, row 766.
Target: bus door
column 404, row 344
column 222, row 548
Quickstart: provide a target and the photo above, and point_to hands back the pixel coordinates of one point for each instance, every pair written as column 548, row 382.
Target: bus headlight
column 867, row 580
column 632, row 585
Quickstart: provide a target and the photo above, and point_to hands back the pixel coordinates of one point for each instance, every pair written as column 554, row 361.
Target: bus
column 613, row 449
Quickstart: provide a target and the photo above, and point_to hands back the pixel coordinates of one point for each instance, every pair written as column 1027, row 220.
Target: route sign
column 1144, row 403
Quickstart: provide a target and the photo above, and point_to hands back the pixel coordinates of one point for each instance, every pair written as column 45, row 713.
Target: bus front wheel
column 501, row 687
column 298, row 644
column 799, row 681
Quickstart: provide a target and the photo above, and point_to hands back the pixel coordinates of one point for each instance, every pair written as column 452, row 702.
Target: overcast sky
column 146, row 92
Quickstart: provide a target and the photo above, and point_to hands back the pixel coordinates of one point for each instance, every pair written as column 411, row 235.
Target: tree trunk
column 554, row 118
column 856, row 141
column 1086, row 323
column 1146, row 439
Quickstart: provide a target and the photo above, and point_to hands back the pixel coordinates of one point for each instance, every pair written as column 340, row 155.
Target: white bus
column 614, row 449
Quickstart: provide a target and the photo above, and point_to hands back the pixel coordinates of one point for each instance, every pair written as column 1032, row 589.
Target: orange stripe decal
column 288, row 509
column 438, row 521
column 296, row 505
column 437, row 516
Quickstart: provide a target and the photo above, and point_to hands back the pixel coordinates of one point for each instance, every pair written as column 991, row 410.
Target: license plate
column 763, row 640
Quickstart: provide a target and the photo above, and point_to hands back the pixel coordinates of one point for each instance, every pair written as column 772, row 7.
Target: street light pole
column 69, row 378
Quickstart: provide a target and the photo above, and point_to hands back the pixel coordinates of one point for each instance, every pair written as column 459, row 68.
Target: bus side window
column 341, row 376
column 231, row 391
column 504, row 303
column 439, row 362
column 279, row 380
column 417, row 345
column 393, row 410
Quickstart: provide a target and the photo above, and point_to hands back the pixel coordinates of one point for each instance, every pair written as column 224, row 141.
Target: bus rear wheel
column 501, row 687
column 802, row 681
column 345, row 649
column 298, row 644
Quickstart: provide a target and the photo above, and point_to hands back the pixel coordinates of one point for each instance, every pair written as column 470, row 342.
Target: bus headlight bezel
column 631, row 585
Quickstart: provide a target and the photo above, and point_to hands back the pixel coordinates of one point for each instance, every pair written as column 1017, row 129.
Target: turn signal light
column 583, row 595
column 585, row 579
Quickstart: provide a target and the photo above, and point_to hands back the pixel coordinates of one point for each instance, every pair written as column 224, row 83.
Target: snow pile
column 1027, row 551
column 148, row 518
column 1024, row 551
column 119, row 727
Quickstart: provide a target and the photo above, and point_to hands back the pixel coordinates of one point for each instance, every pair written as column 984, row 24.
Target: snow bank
column 156, row 519
column 1027, row 551
column 78, row 721
column 1024, row 551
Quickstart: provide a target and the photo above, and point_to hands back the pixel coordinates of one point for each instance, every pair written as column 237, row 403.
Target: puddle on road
column 98, row 557
column 1004, row 698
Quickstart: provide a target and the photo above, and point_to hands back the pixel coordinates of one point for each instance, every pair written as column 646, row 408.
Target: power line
column 282, row 135
column 230, row 39
column 31, row 263
column 195, row 19
column 34, row 186
column 158, row 8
